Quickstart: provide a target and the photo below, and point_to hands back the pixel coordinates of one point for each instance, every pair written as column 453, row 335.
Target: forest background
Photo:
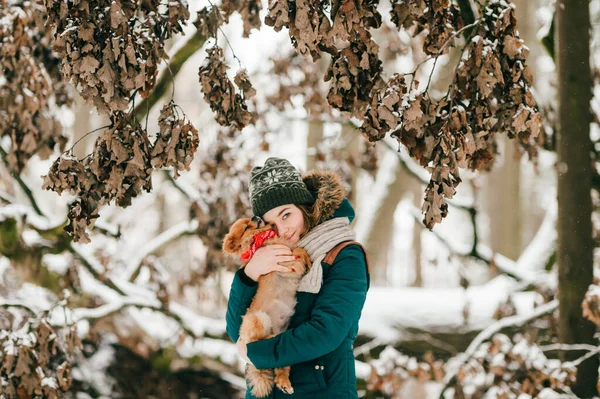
column 466, row 134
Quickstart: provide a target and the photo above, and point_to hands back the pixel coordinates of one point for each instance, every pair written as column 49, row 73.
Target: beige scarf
column 317, row 242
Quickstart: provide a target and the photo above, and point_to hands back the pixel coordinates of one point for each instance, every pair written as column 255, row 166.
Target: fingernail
column 293, row 269
column 297, row 257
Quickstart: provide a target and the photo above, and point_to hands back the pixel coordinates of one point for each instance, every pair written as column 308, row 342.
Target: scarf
column 257, row 242
column 317, row 242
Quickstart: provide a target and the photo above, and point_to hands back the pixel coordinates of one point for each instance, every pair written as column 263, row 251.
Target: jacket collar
column 330, row 196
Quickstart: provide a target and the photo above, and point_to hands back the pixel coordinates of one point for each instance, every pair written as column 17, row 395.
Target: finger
column 280, row 247
column 285, row 252
column 284, row 269
column 285, row 259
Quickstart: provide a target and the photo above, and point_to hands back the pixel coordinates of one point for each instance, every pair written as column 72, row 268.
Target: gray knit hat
column 277, row 183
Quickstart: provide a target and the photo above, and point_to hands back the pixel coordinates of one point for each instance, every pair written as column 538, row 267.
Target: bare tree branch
column 176, row 63
column 22, row 184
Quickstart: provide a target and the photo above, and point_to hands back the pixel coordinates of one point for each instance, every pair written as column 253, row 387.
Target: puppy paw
column 282, row 379
column 285, row 385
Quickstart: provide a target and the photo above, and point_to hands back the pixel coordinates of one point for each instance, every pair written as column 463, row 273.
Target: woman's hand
column 243, row 349
column 266, row 259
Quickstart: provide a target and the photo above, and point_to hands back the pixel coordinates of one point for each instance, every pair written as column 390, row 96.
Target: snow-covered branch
column 513, row 321
column 485, row 254
column 486, row 334
column 16, row 304
column 568, row 347
column 171, row 234
column 21, row 182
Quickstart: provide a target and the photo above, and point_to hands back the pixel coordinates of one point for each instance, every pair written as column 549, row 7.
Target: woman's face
column 288, row 221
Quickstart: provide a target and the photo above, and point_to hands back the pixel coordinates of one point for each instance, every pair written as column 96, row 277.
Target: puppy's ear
column 231, row 244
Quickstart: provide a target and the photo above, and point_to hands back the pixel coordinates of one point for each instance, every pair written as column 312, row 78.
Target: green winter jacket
column 319, row 342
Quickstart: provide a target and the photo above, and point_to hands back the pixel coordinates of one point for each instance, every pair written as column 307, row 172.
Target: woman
column 311, row 211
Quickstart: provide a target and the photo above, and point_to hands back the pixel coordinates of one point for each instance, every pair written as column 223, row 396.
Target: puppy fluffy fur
column 273, row 305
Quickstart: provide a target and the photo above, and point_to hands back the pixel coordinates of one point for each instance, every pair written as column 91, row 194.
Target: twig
column 24, row 186
column 107, row 229
column 190, row 192
column 11, row 304
column 84, row 136
column 439, row 53
column 583, row 358
column 568, row 347
column 225, row 36
column 7, row 198
column 93, row 266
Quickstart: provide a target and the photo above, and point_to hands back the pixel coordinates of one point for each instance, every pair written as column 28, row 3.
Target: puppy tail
column 260, row 381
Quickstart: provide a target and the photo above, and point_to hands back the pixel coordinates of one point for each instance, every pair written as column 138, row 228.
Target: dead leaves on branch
column 111, row 48
column 440, row 18
column 230, row 107
column 490, row 95
column 354, row 73
column 176, row 143
column 31, row 85
column 248, row 9
column 296, row 77
column 383, row 114
column 32, row 361
column 120, row 166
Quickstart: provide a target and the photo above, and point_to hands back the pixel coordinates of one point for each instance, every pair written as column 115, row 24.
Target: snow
column 34, row 297
column 49, row 382
column 389, row 311
column 57, row 263
column 214, row 348
column 20, row 212
column 4, row 266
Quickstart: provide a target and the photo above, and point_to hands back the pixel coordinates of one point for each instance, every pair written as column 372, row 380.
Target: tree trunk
column 503, row 202
column 353, row 151
column 575, row 245
column 387, row 192
column 313, row 138
column 417, row 230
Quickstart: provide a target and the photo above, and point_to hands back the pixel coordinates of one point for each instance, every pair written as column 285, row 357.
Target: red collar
column 258, row 240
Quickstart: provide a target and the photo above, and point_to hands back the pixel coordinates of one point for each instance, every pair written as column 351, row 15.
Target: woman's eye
column 285, row 216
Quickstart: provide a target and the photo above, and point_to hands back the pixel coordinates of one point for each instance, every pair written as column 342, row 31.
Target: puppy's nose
column 258, row 220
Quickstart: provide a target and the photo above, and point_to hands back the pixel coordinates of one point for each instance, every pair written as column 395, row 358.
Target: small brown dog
column 273, row 304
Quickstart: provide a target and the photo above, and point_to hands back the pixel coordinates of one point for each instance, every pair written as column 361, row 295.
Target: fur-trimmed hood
column 330, row 196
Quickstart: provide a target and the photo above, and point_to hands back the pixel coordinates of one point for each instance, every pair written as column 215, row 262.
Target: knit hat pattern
column 277, row 183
